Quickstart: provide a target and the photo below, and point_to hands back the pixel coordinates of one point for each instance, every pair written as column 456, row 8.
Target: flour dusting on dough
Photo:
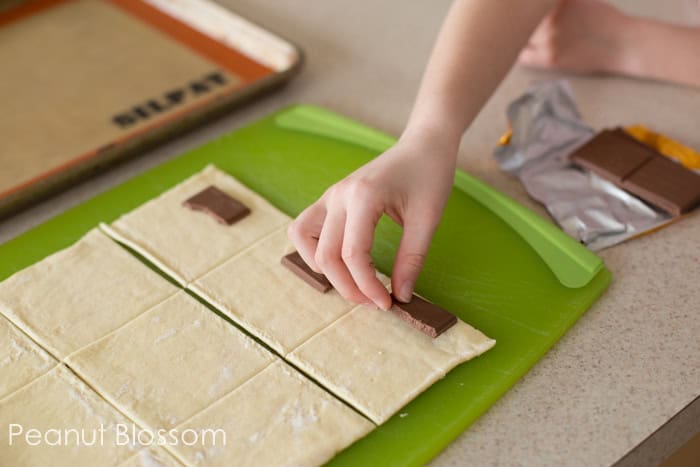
column 47, row 362
column 147, row 459
column 123, row 389
column 213, row 452
column 167, row 334
column 78, row 397
column 18, row 348
column 300, row 419
column 139, row 393
column 23, row 279
column 225, row 376
column 16, row 351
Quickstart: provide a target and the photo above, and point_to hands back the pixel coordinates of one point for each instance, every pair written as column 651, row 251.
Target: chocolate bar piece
column 219, row 205
column 612, row 154
column 424, row 316
column 665, row 184
column 296, row 264
column 639, row 169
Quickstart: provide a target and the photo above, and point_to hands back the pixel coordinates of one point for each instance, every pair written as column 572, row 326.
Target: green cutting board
column 493, row 263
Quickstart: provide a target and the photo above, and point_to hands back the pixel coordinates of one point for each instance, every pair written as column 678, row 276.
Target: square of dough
column 270, row 301
column 186, row 243
column 59, row 401
column 21, row 359
column 170, row 363
column 378, row 363
column 279, row 417
column 151, row 457
column 77, row 295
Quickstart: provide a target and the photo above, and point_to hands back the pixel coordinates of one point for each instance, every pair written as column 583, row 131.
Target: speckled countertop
column 620, row 386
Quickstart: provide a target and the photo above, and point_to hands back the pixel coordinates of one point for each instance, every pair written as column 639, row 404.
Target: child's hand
column 410, row 183
column 478, row 43
column 592, row 36
column 583, row 36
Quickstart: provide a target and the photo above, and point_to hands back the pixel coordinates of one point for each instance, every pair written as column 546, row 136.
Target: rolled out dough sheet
column 151, row 457
column 267, row 299
column 77, row 295
column 59, row 401
column 186, row 243
column 377, row 363
column 21, row 359
column 279, row 417
column 170, row 363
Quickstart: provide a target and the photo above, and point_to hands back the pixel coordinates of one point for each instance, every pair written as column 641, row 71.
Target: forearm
column 652, row 49
column 478, row 43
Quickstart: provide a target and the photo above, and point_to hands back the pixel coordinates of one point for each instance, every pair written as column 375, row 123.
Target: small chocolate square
column 612, row 154
column 222, row 207
column 665, row 184
column 298, row 266
column 424, row 316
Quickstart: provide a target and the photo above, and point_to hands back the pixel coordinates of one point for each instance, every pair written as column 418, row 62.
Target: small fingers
column 356, row 252
column 328, row 256
column 305, row 231
column 417, row 233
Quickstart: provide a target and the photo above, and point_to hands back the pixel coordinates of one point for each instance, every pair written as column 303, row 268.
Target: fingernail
column 384, row 306
column 405, row 292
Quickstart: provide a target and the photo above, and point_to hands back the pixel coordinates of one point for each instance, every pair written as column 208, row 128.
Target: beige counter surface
column 630, row 368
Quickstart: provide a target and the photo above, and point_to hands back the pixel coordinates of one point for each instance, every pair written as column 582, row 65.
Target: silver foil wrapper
column 546, row 129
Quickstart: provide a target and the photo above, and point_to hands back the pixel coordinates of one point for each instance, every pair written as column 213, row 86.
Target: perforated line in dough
column 53, row 364
column 113, row 404
column 66, row 367
column 114, row 331
column 161, row 264
column 122, row 240
column 300, row 373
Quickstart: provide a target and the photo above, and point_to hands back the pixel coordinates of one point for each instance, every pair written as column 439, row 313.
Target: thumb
column 410, row 257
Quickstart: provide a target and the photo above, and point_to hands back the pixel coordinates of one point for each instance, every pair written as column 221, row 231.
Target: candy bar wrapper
column 545, row 129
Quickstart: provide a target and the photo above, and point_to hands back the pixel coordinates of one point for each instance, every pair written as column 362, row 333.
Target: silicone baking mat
column 495, row 264
column 86, row 82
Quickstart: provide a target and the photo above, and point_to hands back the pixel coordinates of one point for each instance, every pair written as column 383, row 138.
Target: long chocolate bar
column 639, row 169
column 424, row 316
column 298, row 266
column 219, row 205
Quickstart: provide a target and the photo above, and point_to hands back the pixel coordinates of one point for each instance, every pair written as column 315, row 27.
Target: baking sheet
column 87, row 82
